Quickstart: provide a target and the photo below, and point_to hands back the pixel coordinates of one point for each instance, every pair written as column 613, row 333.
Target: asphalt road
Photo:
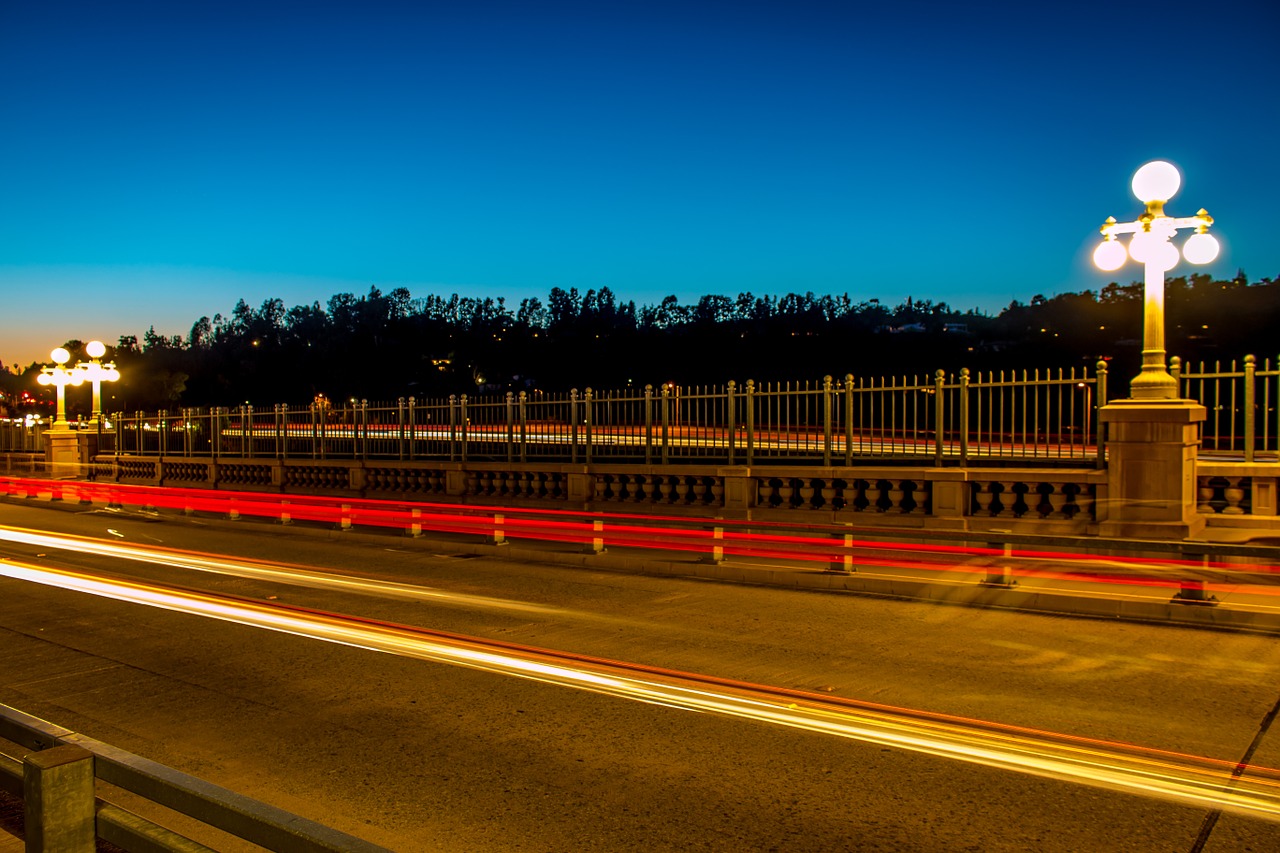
column 421, row 756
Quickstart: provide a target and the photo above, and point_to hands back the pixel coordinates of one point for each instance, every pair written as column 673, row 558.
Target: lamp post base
column 62, row 451
column 1151, row 469
column 1153, row 383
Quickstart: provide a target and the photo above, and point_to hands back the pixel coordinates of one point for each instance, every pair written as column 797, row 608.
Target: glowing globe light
column 1156, row 181
column 1142, row 245
column 96, row 349
column 1154, row 250
column 60, row 356
column 1110, row 255
column 1200, row 248
column 1165, row 256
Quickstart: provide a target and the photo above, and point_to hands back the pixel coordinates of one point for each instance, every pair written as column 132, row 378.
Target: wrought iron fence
column 1050, row 416
column 21, row 436
column 1242, row 404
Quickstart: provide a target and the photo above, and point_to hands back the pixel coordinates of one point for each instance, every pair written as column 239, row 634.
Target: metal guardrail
column 958, row 418
column 254, row 821
column 1049, row 416
column 1242, row 403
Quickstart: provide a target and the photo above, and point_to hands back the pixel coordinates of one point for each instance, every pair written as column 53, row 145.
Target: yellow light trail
column 1192, row 780
column 293, row 575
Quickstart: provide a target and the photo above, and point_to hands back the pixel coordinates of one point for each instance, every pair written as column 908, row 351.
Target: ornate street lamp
column 97, row 373
column 1154, row 184
column 60, row 376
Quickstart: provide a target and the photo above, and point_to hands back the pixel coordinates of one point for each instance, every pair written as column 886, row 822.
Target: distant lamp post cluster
column 94, row 371
column 1154, row 184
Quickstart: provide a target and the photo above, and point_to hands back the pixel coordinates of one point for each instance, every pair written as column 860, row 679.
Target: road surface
column 421, row 756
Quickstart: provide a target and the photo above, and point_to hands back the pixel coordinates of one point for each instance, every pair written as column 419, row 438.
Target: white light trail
column 1188, row 779
column 292, row 575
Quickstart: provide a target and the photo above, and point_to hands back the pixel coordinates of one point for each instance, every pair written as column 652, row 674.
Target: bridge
column 1042, row 451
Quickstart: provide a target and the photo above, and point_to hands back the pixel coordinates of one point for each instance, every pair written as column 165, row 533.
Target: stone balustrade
column 1054, row 500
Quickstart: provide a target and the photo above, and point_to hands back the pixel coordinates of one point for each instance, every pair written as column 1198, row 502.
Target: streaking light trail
column 1193, row 780
column 293, row 575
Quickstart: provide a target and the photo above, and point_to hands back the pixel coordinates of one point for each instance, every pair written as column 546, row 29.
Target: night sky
column 159, row 161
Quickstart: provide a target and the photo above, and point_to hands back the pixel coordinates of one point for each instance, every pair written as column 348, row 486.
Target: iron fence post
column 586, row 423
column 413, row 426
column 524, row 426
column 215, row 434
column 278, row 413
column 364, row 429
column 511, row 426
column 463, row 423
column 400, row 428
column 324, row 431
column 1250, row 398
column 750, row 404
column 453, row 428
column 826, row 421
column 848, row 419
column 648, row 424
column 731, row 407
column 666, row 420
column 1175, row 370
column 162, row 424
column 573, row 424
column 939, row 414
column 1095, row 416
column 964, row 416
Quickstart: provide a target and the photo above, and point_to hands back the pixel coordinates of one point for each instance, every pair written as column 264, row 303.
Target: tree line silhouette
column 381, row 346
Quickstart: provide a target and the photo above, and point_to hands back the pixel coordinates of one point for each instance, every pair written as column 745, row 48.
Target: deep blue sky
column 159, row 161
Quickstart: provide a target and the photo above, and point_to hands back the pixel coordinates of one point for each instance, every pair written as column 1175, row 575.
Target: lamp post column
column 1152, row 436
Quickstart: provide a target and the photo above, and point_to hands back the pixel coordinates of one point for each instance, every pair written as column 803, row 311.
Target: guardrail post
column 750, row 404
column 843, row 563
column 511, row 426
column 826, row 421
column 998, row 574
column 648, row 424
column 499, row 538
column 1193, row 591
column 285, row 519
column 586, row 423
column 57, row 786
column 964, row 416
column 1250, row 397
column 596, row 546
column 344, row 519
column 666, row 423
column 717, row 545
column 939, row 416
column 415, row 526
column 573, row 424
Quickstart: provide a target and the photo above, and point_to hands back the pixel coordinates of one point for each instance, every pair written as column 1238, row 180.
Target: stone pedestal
column 62, row 451
column 1151, row 469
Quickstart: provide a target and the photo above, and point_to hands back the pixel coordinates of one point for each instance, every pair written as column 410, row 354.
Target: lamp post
column 97, row 373
column 60, row 376
column 1154, row 184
